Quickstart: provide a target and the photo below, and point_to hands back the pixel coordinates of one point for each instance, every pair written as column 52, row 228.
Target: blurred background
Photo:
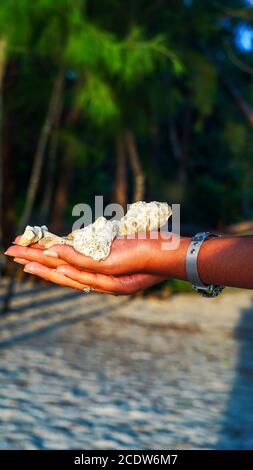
column 134, row 100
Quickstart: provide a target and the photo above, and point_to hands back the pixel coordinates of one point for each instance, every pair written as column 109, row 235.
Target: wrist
column 167, row 258
column 208, row 256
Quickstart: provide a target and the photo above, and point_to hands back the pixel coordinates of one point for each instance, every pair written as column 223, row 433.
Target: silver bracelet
column 210, row 290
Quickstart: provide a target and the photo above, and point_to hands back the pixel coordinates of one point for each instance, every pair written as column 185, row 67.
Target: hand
column 62, row 265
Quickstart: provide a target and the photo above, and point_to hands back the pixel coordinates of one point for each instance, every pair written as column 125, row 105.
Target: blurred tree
column 2, row 72
column 160, row 92
column 96, row 57
column 63, row 38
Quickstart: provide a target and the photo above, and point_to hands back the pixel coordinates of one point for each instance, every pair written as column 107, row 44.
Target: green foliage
column 177, row 286
column 151, row 67
column 101, row 57
column 89, row 46
column 96, row 98
column 235, row 135
column 140, row 56
column 203, row 84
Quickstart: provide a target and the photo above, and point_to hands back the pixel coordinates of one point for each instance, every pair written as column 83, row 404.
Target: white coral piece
column 144, row 216
column 96, row 239
column 41, row 236
column 32, row 235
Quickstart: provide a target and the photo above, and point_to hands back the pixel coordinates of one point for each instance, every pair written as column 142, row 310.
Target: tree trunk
column 2, row 73
column 247, row 110
column 139, row 179
column 120, row 187
column 40, row 153
column 8, row 189
column 242, row 105
column 155, row 140
column 52, row 159
column 185, row 145
column 35, row 179
column 174, row 140
column 61, row 195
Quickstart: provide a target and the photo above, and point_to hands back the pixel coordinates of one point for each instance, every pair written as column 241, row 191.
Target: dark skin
column 136, row 264
column 71, row 269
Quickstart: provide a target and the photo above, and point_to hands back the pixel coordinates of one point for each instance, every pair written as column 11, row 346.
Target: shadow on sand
column 38, row 316
column 237, row 428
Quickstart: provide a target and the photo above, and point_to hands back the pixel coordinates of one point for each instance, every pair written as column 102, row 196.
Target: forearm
column 224, row 261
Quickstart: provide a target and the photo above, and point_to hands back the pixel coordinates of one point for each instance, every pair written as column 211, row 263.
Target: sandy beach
column 112, row 373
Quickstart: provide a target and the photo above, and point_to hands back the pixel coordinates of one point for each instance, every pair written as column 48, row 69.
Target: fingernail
column 51, row 253
column 6, row 252
column 19, row 260
column 28, row 269
column 61, row 270
column 61, row 273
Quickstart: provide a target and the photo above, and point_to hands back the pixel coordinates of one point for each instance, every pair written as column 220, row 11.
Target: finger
column 33, row 254
column 96, row 280
column 52, row 275
column 20, row 260
column 49, row 263
column 71, row 256
column 57, row 278
column 118, row 285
